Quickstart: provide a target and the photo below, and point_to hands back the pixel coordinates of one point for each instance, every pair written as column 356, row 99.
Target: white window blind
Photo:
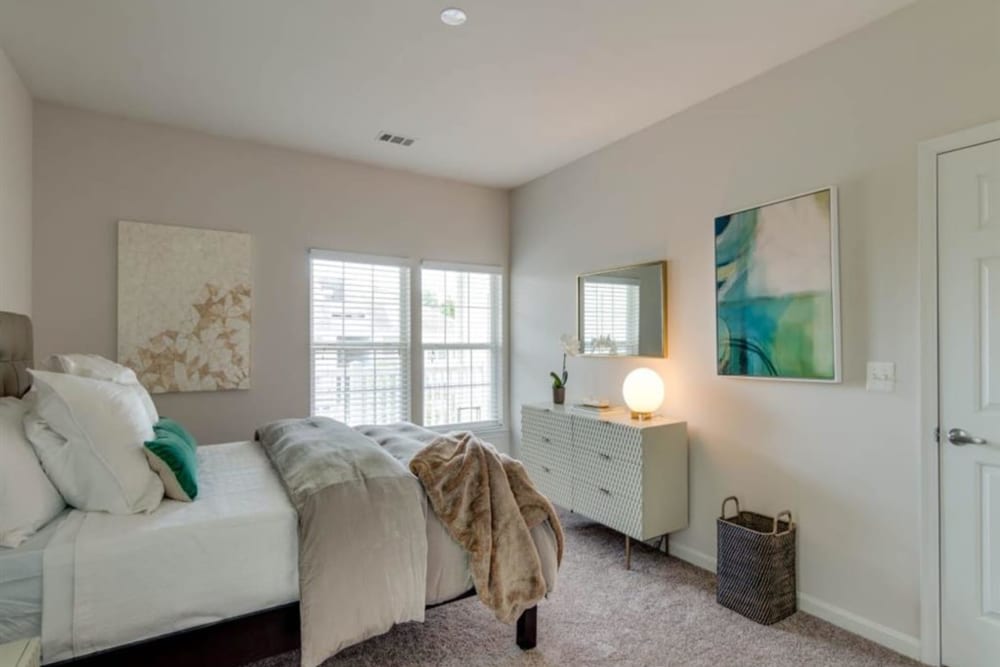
column 611, row 317
column 360, row 338
column 462, row 321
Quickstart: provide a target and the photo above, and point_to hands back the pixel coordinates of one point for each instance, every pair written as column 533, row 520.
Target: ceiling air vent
column 390, row 138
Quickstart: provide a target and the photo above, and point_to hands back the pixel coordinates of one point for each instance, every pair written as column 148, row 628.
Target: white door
column 969, row 312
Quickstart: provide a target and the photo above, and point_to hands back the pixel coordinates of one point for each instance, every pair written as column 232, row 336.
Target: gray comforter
column 362, row 535
column 371, row 552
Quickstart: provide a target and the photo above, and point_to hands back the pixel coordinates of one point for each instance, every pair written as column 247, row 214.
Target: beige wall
column 92, row 170
column 15, row 191
column 844, row 460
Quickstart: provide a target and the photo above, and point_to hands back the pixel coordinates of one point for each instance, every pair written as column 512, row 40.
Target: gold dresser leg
column 628, row 552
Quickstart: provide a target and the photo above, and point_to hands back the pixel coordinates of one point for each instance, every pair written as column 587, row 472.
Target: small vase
column 558, row 395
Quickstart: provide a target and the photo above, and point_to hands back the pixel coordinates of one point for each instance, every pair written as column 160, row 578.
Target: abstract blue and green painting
column 774, row 285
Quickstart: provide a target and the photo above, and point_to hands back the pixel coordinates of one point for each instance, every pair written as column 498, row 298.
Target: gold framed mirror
column 622, row 312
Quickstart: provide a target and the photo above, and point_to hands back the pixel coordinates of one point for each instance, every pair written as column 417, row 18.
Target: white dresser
column 629, row 475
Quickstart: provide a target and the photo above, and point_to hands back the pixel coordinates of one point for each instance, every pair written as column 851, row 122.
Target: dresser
column 629, row 475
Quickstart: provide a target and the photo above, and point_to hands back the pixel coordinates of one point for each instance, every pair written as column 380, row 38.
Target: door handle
column 960, row 437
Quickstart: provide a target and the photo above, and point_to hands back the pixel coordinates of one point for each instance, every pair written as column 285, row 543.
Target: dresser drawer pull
column 604, row 456
column 604, row 491
column 546, row 469
column 544, row 439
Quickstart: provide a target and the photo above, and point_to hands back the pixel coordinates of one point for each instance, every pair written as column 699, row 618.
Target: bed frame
column 229, row 643
column 238, row 641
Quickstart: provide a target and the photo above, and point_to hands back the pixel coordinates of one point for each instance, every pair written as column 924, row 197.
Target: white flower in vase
column 570, row 347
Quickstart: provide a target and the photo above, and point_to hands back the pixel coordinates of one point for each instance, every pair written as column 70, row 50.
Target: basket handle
column 785, row 513
column 735, row 500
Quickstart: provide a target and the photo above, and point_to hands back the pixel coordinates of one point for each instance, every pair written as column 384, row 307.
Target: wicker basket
column 756, row 570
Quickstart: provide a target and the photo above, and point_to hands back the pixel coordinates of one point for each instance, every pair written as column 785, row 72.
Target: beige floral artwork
column 184, row 307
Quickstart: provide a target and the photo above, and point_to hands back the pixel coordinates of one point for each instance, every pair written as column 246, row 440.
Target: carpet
column 662, row 612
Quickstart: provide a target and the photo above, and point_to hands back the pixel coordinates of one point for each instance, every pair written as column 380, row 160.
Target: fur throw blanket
column 489, row 506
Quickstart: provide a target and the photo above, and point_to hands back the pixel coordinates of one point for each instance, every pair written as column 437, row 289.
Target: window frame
column 497, row 347
column 358, row 258
column 415, row 343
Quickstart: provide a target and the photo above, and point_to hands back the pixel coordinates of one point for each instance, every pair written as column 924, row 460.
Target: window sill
column 484, row 429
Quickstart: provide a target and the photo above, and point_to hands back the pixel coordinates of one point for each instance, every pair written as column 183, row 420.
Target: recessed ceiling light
column 453, row 16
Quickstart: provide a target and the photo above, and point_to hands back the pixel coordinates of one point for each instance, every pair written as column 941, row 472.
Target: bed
column 21, row 585
column 189, row 582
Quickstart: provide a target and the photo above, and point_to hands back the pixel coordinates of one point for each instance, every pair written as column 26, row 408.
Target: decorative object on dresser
column 643, row 393
column 628, row 475
column 597, row 410
column 777, row 289
column 622, row 312
column 570, row 347
column 756, row 564
column 184, row 307
column 21, row 653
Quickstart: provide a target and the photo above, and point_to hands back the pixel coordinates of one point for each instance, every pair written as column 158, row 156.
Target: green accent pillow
column 174, row 427
column 175, row 459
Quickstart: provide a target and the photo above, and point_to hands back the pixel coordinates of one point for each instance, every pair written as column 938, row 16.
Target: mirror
column 623, row 312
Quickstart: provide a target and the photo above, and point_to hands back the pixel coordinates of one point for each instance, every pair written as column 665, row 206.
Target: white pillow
column 97, row 367
column 93, row 446
column 28, row 500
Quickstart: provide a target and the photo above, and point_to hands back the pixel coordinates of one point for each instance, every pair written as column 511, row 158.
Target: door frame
column 929, row 415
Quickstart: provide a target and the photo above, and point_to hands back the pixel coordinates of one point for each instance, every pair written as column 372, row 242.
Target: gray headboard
column 16, row 349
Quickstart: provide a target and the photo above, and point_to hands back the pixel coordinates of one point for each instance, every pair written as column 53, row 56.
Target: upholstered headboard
column 16, row 350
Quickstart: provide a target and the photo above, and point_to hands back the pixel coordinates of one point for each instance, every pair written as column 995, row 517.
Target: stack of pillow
column 28, row 500
column 87, row 435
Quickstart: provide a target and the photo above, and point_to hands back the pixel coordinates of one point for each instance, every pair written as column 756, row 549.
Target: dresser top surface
column 617, row 418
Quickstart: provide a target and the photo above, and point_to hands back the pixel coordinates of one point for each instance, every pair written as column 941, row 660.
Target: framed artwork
column 777, row 290
column 184, row 307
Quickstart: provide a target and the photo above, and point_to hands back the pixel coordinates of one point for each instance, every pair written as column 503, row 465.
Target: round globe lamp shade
column 643, row 393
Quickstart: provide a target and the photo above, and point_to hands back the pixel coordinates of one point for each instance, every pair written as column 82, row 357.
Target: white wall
column 92, row 170
column 843, row 460
column 15, row 191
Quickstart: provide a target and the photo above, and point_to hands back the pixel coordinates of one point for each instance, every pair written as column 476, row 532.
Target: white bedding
column 21, row 585
column 112, row 579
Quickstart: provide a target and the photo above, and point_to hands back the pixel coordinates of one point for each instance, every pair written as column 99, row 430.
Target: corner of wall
column 16, row 179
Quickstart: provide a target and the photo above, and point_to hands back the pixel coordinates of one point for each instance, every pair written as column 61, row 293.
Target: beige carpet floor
column 662, row 612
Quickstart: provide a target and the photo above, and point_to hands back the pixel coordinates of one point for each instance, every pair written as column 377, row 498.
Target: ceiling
column 522, row 88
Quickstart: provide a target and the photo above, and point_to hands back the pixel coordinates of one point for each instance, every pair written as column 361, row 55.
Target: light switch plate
column 881, row 376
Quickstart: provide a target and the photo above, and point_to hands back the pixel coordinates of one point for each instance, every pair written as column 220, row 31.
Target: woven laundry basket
column 756, row 565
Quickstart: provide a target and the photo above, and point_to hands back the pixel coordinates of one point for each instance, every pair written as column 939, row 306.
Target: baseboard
column 894, row 639
column 693, row 556
column 863, row 627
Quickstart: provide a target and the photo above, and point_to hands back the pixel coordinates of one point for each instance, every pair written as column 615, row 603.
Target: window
column 611, row 319
column 363, row 371
column 461, row 315
column 360, row 338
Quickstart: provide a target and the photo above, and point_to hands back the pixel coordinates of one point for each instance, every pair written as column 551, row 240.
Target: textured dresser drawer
column 555, row 483
column 545, row 454
column 620, row 512
column 544, row 429
column 616, row 441
column 602, row 471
